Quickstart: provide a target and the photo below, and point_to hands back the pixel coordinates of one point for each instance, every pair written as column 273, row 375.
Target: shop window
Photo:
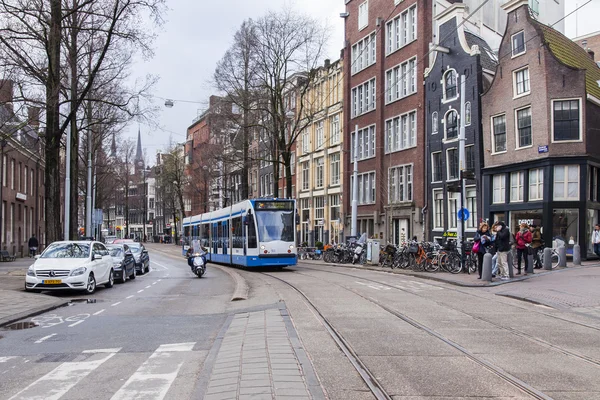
column 565, row 228
column 516, row 186
column 566, row 182
column 453, row 203
column 438, row 205
column 498, row 182
column 566, row 120
column 536, row 184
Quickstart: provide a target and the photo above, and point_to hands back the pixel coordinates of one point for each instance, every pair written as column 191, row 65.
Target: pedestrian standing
column 596, row 239
column 492, row 250
column 33, row 245
column 523, row 239
column 482, row 241
column 502, row 247
column 536, row 244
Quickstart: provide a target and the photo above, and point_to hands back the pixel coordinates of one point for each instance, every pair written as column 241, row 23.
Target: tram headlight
column 291, row 247
column 262, row 247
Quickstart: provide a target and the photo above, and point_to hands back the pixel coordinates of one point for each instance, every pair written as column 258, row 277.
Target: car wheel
column 142, row 270
column 111, row 279
column 133, row 274
column 147, row 268
column 91, row 284
column 123, row 274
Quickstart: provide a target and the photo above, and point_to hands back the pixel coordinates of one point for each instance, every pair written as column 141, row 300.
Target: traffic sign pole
column 461, row 158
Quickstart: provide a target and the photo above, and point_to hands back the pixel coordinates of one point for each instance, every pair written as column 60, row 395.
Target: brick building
column 460, row 53
column 22, row 175
column 384, row 105
column 540, row 116
column 591, row 43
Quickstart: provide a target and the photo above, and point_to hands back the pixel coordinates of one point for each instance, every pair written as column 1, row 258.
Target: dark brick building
column 470, row 56
column 386, row 41
column 541, row 117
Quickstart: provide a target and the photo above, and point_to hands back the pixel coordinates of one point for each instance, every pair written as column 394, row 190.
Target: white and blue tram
column 253, row 233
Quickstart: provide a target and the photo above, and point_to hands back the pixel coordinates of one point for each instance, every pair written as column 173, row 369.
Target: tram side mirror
column 248, row 219
column 297, row 219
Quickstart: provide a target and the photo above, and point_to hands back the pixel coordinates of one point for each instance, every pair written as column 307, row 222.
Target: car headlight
column 31, row 271
column 137, row 258
column 78, row 271
column 117, row 265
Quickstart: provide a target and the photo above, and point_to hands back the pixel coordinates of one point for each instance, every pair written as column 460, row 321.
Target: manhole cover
column 20, row 325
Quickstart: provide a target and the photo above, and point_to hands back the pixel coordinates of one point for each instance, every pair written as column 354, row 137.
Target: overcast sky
column 198, row 32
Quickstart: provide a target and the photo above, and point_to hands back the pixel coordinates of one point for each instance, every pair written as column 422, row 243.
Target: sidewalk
column 15, row 303
column 461, row 279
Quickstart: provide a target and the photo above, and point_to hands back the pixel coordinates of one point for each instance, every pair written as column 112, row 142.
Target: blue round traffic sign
column 463, row 214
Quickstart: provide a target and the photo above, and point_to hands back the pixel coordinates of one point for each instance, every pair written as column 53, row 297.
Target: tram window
column 236, row 227
column 205, row 234
column 186, row 231
column 252, row 236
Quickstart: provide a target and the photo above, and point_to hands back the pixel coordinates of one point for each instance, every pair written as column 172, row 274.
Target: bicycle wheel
column 555, row 258
column 472, row 262
column 453, row 263
column 432, row 263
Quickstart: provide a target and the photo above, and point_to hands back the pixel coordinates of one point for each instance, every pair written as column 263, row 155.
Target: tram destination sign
column 275, row 205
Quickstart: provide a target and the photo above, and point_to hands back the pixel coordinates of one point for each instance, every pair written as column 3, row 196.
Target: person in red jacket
column 522, row 239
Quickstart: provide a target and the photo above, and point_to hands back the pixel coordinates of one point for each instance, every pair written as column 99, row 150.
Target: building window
column 518, row 43
column 521, row 79
column 25, row 176
column 471, row 198
column 516, row 186
column 436, row 167
column 305, row 176
column 363, row 98
column 438, row 205
column 449, row 84
column 400, row 184
column 434, row 122
column 334, row 207
column 400, row 132
column 366, row 143
column 524, row 127
column 319, row 135
column 536, row 184
column 366, row 187
column 452, row 158
column 4, row 171
column 12, row 174
column 319, row 166
column 566, row 120
column 335, row 129
column 498, row 185
column 566, row 182
column 319, row 207
column 400, row 81
column 451, row 125
column 402, row 29
column 470, row 157
column 499, row 133
column 363, row 15
column 334, row 163
column 535, row 6
column 305, row 141
column 363, row 53
column 467, row 113
column 453, row 199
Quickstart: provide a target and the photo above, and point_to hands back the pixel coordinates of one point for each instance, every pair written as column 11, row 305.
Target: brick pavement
column 257, row 361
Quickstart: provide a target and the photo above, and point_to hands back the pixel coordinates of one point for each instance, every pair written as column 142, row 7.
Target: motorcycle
column 197, row 263
column 360, row 250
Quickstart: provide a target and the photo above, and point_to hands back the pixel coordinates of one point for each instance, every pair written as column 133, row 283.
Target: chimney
column 6, row 93
column 327, row 63
column 33, row 117
column 591, row 53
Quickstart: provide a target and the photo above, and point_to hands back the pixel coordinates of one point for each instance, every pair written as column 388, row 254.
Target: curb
column 241, row 286
column 432, row 277
column 32, row 313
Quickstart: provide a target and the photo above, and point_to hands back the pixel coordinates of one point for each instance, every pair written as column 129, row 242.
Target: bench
column 4, row 256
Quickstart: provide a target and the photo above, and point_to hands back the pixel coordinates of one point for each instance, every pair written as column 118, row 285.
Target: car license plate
column 52, row 282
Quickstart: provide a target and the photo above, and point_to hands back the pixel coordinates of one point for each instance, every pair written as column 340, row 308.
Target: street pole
column 145, row 205
column 3, row 145
column 355, row 186
column 68, row 185
column 88, row 202
column 461, row 160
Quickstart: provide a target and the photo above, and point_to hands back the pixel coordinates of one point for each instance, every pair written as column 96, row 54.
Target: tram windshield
column 275, row 225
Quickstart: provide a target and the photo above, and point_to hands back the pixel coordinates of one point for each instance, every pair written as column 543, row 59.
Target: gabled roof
column 488, row 58
column 571, row 54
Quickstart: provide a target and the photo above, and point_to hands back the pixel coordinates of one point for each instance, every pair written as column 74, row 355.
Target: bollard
column 576, row 255
column 486, row 273
column 548, row 258
column 562, row 256
column 529, row 269
column 509, row 262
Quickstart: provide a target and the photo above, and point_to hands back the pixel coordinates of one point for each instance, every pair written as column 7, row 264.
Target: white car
column 78, row 265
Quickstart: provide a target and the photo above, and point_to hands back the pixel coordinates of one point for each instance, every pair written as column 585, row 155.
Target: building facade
column 540, row 116
column 319, row 151
column 465, row 54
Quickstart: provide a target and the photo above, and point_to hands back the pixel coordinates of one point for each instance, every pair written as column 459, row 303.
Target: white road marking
column 160, row 265
column 140, row 291
column 76, row 323
column 115, row 304
column 155, row 282
column 128, row 297
column 147, row 287
column 45, row 338
column 59, row 381
column 5, row 359
column 99, row 312
column 93, row 351
column 154, row 377
column 159, row 280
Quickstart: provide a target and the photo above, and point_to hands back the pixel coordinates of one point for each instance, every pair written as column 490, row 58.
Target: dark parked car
column 142, row 259
column 123, row 260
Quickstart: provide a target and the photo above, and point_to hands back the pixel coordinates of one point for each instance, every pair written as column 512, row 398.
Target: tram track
column 513, row 331
column 368, row 377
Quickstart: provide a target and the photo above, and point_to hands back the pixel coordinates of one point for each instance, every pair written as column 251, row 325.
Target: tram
column 253, row 233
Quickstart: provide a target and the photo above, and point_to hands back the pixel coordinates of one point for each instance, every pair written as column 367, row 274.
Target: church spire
column 139, row 156
column 113, row 147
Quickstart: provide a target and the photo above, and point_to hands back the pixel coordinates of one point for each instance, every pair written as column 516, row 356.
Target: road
column 312, row 331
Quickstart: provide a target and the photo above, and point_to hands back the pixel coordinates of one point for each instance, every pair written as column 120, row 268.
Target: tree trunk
column 74, row 203
column 53, row 135
column 288, row 174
